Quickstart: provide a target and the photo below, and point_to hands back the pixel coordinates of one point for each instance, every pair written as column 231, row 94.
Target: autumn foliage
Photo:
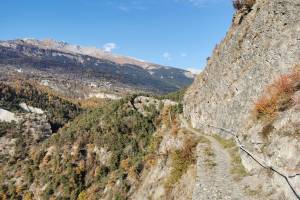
column 279, row 95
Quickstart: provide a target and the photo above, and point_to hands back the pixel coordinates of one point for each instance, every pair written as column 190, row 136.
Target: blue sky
column 179, row 33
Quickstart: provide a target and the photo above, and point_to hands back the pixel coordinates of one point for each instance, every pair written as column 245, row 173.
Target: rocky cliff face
column 262, row 44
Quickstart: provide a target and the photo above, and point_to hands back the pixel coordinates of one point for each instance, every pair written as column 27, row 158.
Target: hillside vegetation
column 99, row 152
column 58, row 110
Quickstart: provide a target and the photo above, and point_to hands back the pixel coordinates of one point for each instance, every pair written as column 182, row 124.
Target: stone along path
column 215, row 182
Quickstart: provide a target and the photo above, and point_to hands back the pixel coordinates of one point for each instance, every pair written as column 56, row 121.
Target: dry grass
column 278, row 96
column 91, row 103
column 125, row 164
column 239, row 4
column 181, row 160
column 166, row 116
column 266, row 107
column 175, row 126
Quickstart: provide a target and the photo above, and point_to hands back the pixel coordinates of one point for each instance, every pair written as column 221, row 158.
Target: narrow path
column 215, row 183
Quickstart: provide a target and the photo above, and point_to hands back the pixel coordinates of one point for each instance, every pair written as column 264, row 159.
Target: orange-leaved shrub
column 279, row 95
column 239, row 4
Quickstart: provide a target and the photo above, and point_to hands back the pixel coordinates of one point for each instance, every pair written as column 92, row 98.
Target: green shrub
column 177, row 109
column 175, row 96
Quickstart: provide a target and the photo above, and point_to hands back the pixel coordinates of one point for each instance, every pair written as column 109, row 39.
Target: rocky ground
column 214, row 181
column 216, row 178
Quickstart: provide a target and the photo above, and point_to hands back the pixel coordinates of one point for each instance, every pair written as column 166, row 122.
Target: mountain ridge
column 92, row 65
column 85, row 50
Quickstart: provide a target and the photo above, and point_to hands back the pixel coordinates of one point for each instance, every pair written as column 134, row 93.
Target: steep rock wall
column 260, row 45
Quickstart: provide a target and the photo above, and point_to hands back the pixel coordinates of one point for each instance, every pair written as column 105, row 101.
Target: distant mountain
column 53, row 62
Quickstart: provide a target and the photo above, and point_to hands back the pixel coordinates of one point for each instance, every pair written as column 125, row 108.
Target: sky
column 179, row 33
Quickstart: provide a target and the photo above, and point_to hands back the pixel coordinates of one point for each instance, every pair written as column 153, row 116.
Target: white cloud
column 201, row 3
column 109, row 47
column 132, row 5
column 124, row 8
column 183, row 54
column 167, row 56
column 194, row 70
column 198, row 2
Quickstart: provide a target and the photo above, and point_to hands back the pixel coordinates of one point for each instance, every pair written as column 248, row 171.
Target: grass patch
column 237, row 168
column 226, row 143
column 202, row 139
column 209, row 155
